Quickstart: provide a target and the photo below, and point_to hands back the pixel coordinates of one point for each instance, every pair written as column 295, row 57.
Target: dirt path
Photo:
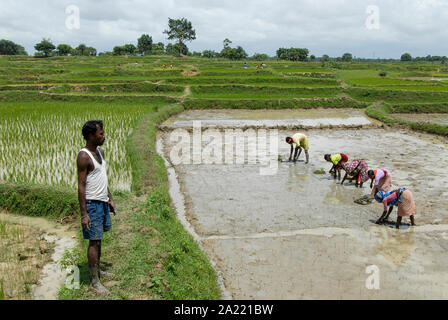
column 52, row 278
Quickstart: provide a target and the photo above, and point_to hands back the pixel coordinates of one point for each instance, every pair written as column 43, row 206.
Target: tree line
column 182, row 31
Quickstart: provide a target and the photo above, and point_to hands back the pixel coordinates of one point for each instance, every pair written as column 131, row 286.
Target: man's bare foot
column 99, row 288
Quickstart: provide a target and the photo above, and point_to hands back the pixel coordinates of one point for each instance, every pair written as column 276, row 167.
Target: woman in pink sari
column 382, row 178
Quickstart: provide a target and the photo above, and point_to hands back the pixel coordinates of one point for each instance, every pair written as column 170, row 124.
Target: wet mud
column 52, row 278
column 299, row 235
column 281, row 119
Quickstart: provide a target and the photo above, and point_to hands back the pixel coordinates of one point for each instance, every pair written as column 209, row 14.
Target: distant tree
column 91, row 51
column 8, row 47
column 444, row 60
column 44, row 48
column 105, row 53
column 64, row 50
column 259, row 56
column 197, row 54
column 347, row 57
column 158, row 48
column 406, row 57
column 22, row 50
column 293, row 54
column 81, row 50
column 144, row 44
column 180, row 29
column 226, row 43
column 210, row 54
column 173, row 49
column 237, row 53
column 312, row 57
column 325, row 58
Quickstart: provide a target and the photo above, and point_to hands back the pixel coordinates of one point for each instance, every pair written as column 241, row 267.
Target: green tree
column 197, row 54
column 312, row 57
column 259, row 56
column 158, row 48
column 91, row 51
column 347, row 57
column 81, row 50
column 180, row 29
column 226, row 43
column 144, row 44
column 293, row 54
column 64, row 50
column 406, row 57
column 8, row 47
column 127, row 49
column 210, row 54
column 44, row 48
column 173, row 49
column 325, row 58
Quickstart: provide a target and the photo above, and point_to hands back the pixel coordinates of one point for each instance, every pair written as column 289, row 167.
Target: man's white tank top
column 96, row 184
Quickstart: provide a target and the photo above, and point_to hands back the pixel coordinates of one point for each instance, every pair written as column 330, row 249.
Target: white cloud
column 324, row 26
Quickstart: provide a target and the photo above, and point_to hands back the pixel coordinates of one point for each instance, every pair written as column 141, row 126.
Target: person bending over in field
column 301, row 141
column 357, row 170
column 382, row 179
column 337, row 159
column 403, row 199
column 94, row 198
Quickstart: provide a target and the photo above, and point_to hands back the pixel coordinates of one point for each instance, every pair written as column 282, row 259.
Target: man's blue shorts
column 100, row 222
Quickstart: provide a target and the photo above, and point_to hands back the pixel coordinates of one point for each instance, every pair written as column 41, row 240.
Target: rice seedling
column 39, row 142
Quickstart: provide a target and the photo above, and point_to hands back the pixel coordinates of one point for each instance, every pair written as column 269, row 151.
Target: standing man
column 94, row 198
column 301, row 141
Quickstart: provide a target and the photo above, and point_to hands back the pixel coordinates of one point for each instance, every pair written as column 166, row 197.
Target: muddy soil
column 52, row 277
column 298, row 235
column 270, row 118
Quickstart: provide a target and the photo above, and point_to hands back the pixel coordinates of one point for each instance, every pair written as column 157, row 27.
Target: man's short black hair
column 90, row 127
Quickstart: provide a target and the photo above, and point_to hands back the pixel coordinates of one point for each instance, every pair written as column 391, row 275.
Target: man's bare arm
column 82, row 163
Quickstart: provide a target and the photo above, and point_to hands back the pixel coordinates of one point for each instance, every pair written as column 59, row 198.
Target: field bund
column 295, row 234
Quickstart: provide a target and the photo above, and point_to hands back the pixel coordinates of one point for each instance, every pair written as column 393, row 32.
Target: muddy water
column 298, row 235
column 270, row 118
column 52, row 278
column 437, row 118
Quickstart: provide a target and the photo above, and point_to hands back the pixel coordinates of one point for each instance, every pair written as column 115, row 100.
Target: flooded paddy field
column 436, row 118
column 294, row 234
column 269, row 118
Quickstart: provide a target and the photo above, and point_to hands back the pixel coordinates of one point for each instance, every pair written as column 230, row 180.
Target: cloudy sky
column 372, row 28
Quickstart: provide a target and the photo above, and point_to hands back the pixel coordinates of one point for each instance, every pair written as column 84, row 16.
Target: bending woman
column 337, row 159
column 382, row 178
column 403, row 199
column 357, row 169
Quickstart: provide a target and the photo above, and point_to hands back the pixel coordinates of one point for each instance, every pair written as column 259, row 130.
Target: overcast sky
column 333, row 27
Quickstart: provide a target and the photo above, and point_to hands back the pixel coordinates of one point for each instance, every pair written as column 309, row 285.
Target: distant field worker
column 382, row 179
column 245, row 65
column 94, row 198
column 337, row 159
column 301, row 141
column 357, row 170
column 402, row 198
